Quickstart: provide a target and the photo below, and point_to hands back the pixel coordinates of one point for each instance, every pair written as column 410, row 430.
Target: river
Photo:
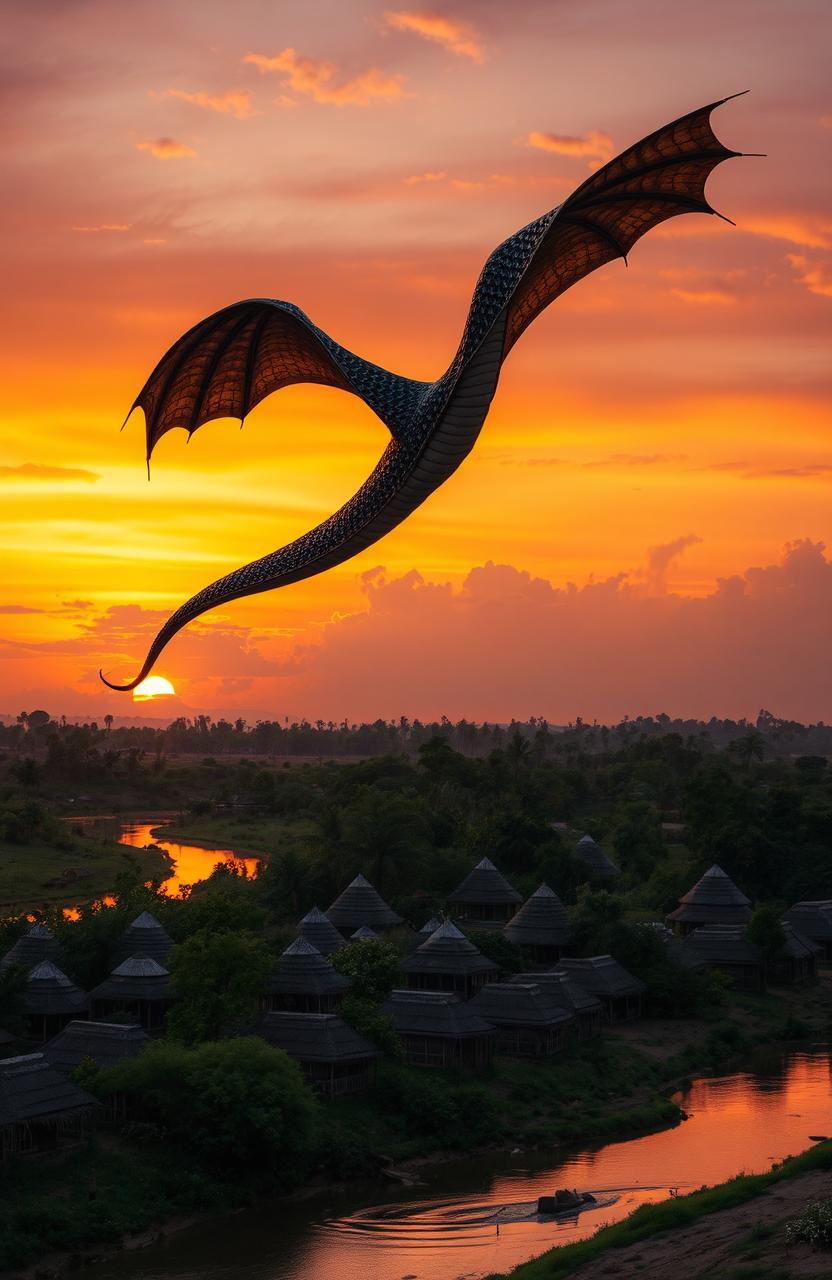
column 448, row 1230
column 191, row 862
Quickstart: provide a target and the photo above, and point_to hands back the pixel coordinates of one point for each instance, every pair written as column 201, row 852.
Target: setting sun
column 153, row 687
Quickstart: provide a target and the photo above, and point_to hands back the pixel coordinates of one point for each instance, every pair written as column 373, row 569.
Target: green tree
column 385, row 833
column 217, row 977
column 373, row 966
column 765, row 929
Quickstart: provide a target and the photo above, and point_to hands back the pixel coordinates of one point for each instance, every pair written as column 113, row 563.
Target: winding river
column 448, row 1230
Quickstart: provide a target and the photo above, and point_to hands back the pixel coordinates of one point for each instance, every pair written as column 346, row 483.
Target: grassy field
column 39, row 875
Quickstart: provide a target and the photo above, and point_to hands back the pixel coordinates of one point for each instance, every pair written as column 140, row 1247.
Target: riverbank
column 734, row 1231
column 75, row 869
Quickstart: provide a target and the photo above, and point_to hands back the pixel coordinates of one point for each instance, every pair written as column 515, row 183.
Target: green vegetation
column 813, row 1226
column 651, row 1219
column 217, row 978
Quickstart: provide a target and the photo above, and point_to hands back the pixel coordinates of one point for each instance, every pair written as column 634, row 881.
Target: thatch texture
column 570, row 995
column 106, row 1043
column 137, row 979
column 39, row 1107
column 316, row 1037
column 542, row 922
column 434, row 1013
column 813, row 919
column 429, row 927
column 590, row 853
column 797, row 960
column 49, row 991
column 725, row 947
column 318, row 929
column 529, row 1004
column 302, row 970
column 601, row 976
column 364, row 934
column 361, row 904
column 144, row 937
column 36, row 944
column 714, row 899
column 484, row 886
column 449, row 956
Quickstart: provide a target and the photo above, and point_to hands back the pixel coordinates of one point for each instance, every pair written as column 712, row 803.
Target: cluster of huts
column 453, row 1007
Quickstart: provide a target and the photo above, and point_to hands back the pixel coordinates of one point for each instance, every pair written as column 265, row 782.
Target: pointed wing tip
column 119, row 688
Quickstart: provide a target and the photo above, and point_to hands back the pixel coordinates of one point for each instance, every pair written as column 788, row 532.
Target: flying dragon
column 228, row 363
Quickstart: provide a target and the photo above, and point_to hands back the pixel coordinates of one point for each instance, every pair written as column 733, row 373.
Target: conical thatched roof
column 364, row 934
column 714, row 899
column 542, row 921
column 316, row 1037
column 484, row 885
column 434, row 1013
column 813, row 919
column 797, row 945
column 590, row 853
column 570, row 995
column 527, row 1004
column 144, row 937
column 429, row 927
column 49, row 991
column 448, row 951
column 136, row 978
column 361, row 904
column 302, row 970
column 719, row 944
column 36, row 944
column 106, row 1043
column 32, row 1090
column 602, row 976
column 318, row 929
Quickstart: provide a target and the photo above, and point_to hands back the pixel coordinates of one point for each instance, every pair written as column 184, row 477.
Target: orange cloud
column 456, row 37
column 661, row 557
column 105, row 226
column 35, row 471
column 416, row 178
column 319, row 80
column 797, row 230
column 816, row 278
column 234, row 102
column 595, row 145
column 705, row 297
column 166, row 148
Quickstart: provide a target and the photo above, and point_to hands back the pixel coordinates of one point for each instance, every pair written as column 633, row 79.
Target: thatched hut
column 448, row 961
column 333, row 1057
column 40, row 1110
column 144, row 937
column 429, row 927
column 36, row 944
column 541, row 927
column 714, row 899
column 586, row 1009
column 361, row 904
column 484, row 899
column 814, row 921
column 725, row 947
column 529, row 1023
column 796, row 961
column 621, row 994
column 595, row 859
column 318, row 929
column 304, row 981
column 50, row 1000
column 105, row 1043
column 364, row 934
column 438, row 1030
column 137, row 989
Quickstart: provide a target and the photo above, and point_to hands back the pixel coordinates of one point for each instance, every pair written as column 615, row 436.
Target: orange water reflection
column 191, row 862
column 737, row 1123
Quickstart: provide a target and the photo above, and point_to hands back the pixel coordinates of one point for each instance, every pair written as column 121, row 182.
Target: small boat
column 564, row 1201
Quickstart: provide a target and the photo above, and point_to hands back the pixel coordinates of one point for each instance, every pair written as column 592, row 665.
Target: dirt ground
column 733, row 1244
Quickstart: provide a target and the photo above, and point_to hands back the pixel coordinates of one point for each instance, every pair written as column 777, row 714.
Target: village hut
column 484, row 899
column 437, row 1029
column 529, row 1022
column 585, row 1008
column 595, row 860
column 448, row 961
column 144, row 937
column 714, row 899
column 364, row 934
column 621, row 994
column 50, row 1000
column 429, row 927
column 305, row 982
column 318, row 929
column 333, row 1057
column 105, row 1043
column 137, row 989
column 361, row 904
column 40, row 1110
column 725, row 947
column 541, row 927
column 813, row 920
column 36, row 944
column 796, row 961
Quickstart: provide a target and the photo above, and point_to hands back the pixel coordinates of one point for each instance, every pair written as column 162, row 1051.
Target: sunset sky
column 641, row 526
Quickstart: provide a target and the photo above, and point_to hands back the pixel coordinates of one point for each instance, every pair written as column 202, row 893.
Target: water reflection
column 480, row 1218
column 191, row 862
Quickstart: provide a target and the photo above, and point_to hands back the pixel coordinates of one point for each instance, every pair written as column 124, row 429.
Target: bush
column 217, row 977
column 813, row 1226
column 373, row 966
